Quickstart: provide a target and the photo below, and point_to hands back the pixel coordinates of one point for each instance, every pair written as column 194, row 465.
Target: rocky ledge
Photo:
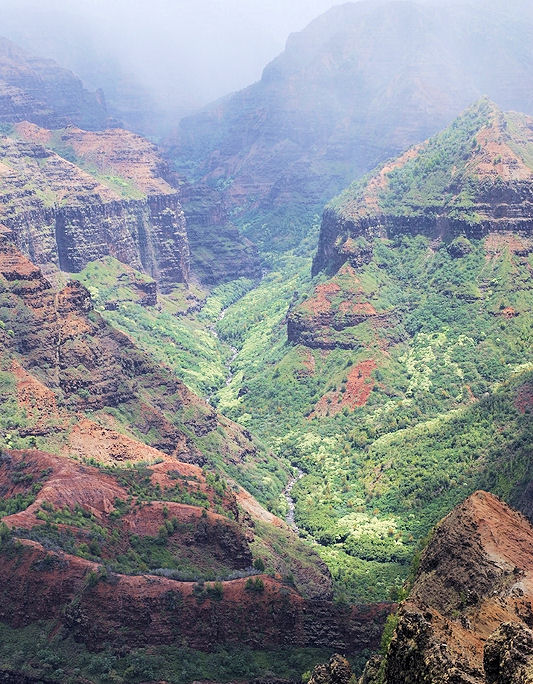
column 73, row 196
column 469, row 616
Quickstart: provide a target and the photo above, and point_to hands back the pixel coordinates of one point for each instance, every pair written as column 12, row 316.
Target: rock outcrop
column 337, row 671
column 99, row 194
column 469, row 615
column 39, row 90
column 473, row 179
column 471, row 182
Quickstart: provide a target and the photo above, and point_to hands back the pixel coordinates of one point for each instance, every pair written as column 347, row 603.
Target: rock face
column 474, row 178
column 218, row 250
column 469, row 615
column 473, row 181
column 39, row 90
column 347, row 93
column 337, row 671
column 100, row 194
column 508, row 655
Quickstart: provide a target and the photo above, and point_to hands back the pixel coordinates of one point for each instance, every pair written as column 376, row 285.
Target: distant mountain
column 358, row 85
column 40, row 91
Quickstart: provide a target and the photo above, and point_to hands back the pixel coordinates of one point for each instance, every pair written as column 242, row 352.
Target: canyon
column 238, row 442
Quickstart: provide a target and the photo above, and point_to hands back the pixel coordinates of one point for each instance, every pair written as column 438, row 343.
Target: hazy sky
column 187, row 52
column 202, row 48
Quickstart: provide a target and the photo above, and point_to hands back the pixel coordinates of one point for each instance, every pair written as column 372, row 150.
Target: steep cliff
column 468, row 617
column 473, row 179
column 470, row 184
column 348, row 92
column 39, row 90
column 219, row 252
column 88, row 365
column 99, row 194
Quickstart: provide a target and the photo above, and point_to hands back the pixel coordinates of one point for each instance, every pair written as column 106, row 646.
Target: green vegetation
column 255, row 585
column 172, row 337
column 426, row 182
column 183, row 341
column 33, row 652
column 137, row 481
column 447, row 344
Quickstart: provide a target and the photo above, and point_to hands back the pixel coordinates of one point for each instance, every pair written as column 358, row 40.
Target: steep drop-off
column 469, row 181
column 219, row 252
column 470, row 185
column 98, row 194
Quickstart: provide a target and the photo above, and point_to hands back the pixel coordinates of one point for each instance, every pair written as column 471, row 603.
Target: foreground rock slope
column 468, row 617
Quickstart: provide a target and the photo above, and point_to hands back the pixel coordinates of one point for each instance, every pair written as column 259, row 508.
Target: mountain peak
column 470, row 179
column 473, row 588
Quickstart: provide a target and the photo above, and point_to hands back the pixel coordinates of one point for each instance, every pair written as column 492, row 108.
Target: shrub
column 257, row 585
column 259, row 564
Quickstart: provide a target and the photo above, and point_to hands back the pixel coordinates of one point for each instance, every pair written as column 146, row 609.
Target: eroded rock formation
column 469, row 615
column 111, row 199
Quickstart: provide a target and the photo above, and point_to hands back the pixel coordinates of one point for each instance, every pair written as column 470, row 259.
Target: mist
column 184, row 53
column 163, row 56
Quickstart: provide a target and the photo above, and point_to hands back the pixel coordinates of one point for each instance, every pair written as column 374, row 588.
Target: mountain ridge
column 322, row 113
column 39, row 90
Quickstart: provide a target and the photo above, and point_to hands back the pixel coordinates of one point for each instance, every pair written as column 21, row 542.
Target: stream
column 233, row 353
column 287, row 493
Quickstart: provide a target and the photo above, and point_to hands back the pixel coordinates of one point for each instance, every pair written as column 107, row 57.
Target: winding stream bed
column 233, row 353
column 287, row 493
